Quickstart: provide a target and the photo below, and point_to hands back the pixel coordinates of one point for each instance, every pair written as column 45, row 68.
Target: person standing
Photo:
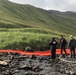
column 63, row 44
column 72, row 44
column 53, row 43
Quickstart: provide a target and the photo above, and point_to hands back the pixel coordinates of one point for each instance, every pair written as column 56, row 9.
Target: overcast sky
column 61, row 5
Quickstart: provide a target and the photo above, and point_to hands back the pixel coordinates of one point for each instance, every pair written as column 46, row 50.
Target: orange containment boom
column 37, row 53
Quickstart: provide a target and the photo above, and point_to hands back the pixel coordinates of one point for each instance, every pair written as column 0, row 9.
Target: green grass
column 25, row 25
column 21, row 38
column 14, row 15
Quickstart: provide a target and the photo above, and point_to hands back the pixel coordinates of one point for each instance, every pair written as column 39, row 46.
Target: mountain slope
column 14, row 15
column 67, row 14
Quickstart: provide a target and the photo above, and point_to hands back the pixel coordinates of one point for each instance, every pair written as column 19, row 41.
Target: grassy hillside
column 14, row 15
column 25, row 25
column 24, row 37
column 67, row 14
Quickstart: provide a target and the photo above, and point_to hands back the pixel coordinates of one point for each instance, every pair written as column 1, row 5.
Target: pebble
column 32, row 65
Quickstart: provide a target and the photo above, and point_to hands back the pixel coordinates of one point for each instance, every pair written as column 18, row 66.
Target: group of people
column 71, row 45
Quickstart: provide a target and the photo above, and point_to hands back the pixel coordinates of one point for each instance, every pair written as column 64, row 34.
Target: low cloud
column 61, row 5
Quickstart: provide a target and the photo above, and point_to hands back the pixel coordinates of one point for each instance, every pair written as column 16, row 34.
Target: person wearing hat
column 72, row 44
column 63, row 44
column 53, row 43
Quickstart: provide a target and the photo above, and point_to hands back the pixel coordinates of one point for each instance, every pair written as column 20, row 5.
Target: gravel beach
column 15, row 64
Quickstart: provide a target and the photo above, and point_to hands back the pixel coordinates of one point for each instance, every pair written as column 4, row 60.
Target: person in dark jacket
column 72, row 44
column 53, row 45
column 63, row 44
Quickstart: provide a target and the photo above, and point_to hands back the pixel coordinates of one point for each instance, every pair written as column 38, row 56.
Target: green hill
column 14, row 15
column 67, row 14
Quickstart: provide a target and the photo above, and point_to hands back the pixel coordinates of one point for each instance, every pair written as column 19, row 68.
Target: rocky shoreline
column 15, row 64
